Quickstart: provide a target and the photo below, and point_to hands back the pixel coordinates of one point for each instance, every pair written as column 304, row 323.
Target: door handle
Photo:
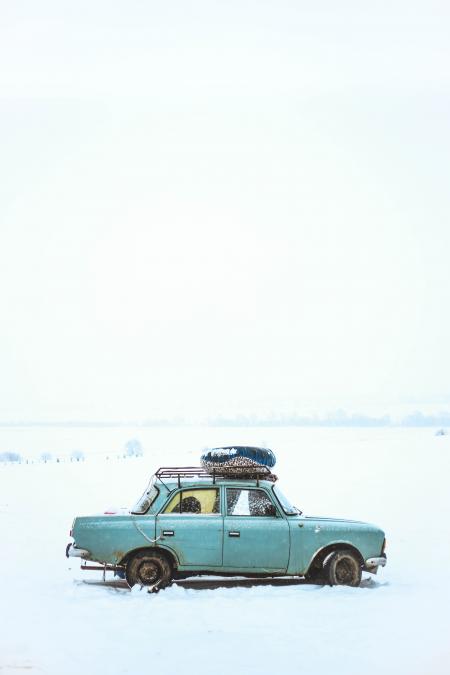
column 234, row 534
column 168, row 533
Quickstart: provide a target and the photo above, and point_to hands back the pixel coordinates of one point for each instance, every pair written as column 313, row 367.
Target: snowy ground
column 397, row 622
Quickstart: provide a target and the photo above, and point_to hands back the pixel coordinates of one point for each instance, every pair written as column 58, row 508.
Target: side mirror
column 270, row 510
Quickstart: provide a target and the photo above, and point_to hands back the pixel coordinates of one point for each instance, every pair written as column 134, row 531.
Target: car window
column 249, row 503
column 285, row 503
column 197, row 502
column 147, row 499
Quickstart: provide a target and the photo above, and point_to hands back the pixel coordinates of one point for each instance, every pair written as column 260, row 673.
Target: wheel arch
column 151, row 549
column 319, row 556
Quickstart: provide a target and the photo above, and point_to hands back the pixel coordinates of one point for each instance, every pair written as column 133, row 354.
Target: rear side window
column 249, row 503
column 147, row 499
column 197, row 502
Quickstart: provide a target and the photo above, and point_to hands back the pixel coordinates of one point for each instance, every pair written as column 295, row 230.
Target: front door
column 192, row 526
column 256, row 535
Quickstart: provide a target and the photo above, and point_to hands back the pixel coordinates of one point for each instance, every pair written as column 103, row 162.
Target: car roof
column 208, row 481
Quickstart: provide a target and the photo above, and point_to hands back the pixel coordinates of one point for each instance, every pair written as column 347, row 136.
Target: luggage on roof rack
column 237, row 459
column 186, row 472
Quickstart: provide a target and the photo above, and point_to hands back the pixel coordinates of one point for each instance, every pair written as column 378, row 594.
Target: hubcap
column 148, row 572
column 344, row 571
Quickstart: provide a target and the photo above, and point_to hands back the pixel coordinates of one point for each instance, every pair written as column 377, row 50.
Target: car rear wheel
column 342, row 568
column 151, row 570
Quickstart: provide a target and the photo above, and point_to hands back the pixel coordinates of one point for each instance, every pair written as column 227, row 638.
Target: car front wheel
column 151, row 570
column 342, row 568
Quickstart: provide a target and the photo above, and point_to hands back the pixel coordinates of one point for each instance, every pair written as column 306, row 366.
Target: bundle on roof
column 238, row 459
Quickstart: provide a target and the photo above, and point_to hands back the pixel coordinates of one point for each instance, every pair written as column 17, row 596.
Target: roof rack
column 244, row 473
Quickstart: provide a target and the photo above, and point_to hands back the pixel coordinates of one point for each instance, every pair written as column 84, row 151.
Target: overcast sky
column 223, row 207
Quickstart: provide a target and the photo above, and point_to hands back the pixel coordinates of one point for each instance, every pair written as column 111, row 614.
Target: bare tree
column 10, row 457
column 134, row 448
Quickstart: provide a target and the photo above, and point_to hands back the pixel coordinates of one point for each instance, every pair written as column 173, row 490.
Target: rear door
column 256, row 535
column 191, row 524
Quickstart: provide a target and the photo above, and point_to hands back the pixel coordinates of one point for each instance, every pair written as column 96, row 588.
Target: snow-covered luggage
column 238, row 459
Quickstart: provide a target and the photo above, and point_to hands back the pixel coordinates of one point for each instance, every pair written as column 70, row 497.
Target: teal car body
column 223, row 525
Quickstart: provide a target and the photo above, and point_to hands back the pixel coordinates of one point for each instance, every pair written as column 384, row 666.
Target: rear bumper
column 372, row 564
column 73, row 552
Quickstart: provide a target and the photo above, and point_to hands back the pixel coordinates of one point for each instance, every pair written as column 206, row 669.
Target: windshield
column 288, row 508
column 149, row 496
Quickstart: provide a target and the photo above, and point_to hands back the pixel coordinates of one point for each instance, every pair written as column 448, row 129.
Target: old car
column 191, row 521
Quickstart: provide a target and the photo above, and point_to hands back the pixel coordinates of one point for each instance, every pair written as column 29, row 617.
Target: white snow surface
column 54, row 622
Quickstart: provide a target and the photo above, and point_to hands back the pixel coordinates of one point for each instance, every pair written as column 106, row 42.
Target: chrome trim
column 375, row 562
column 74, row 552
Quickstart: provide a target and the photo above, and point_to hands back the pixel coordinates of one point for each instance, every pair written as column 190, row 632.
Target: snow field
column 397, row 622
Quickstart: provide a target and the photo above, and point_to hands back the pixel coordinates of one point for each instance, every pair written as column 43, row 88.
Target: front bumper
column 372, row 564
column 73, row 552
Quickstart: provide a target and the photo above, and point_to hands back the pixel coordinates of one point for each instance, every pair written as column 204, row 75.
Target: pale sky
column 223, row 207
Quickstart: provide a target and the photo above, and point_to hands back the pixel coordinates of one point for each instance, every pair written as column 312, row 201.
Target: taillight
column 70, row 533
column 384, row 545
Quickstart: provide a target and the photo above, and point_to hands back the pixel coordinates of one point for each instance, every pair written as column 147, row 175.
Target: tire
column 150, row 569
column 342, row 568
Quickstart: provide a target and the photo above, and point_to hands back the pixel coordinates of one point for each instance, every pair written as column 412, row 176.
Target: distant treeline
column 340, row 418
column 95, row 424
column 132, row 448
